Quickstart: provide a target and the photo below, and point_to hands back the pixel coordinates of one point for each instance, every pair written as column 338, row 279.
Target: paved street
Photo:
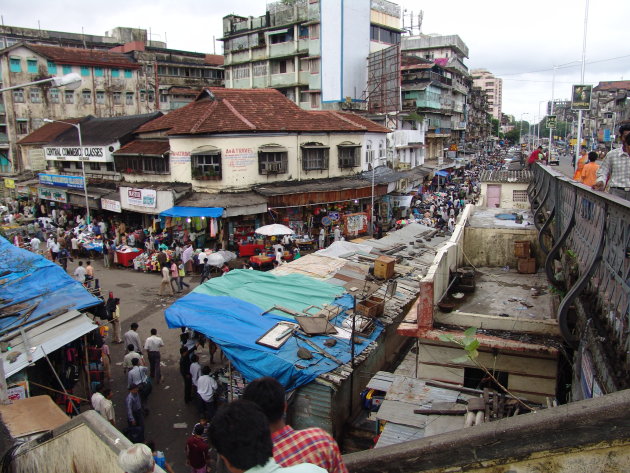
column 140, row 302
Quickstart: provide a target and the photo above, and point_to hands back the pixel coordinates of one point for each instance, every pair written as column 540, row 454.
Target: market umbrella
column 274, row 229
column 215, row 259
column 227, row 255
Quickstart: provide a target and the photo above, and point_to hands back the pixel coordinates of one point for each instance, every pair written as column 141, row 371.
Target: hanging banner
column 142, row 197
column 581, row 97
column 52, row 194
column 58, row 180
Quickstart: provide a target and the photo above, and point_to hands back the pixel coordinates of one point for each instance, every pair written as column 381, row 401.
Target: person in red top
column 535, row 156
column 292, row 447
column 197, row 451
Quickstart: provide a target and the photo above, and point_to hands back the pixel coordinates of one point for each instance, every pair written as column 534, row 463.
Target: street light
column 520, row 128
column 85, row 193
column 70, row 81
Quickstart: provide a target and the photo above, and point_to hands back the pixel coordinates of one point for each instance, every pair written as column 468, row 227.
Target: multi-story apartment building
column 314, row 52
column 447, row 93
column 123, row 74
column 610, row 106
column 492, row 86
column 478, row 123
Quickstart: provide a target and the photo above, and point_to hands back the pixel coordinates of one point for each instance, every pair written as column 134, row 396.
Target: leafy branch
column 470, row 344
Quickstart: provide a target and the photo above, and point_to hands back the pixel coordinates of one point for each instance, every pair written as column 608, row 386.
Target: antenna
column 214, row 45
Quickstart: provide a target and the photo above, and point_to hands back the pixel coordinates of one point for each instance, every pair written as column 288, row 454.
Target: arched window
column 369, row 152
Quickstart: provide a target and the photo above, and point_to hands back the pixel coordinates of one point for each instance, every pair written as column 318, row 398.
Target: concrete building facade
column 493, row 86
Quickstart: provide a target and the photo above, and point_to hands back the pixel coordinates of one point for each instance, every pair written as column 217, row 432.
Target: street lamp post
column 85, row 193
column 71, row 80
column 520, row 128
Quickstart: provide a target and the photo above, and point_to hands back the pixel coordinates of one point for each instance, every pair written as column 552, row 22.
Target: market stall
column 125, row 255
column 200, row 225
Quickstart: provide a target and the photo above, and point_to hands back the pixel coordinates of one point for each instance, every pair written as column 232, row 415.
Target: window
column 272, row 160
column 100, row 97
column 163, row 96
column 68, row 96
column 98, row 72
column 282, row 66
column 314, row 156
column 314, row 31
column 304, row 97
column 95, row 166
column 381, row 149
column 302, row 31
column 117, row 98
column 315, row 100
column 18, row 95
column 31, row 66
column 314, row 66
column 349, row 155
column 22, row 127
column 52, row 67
column 128, row 74
column 240, row 72
column 115, row 73
column 87, row 96
column 150, row 96
column 519, row 196
column 281, row 37
column 66, row 69
column 475, row 378
column 260, row 68
column 15, row 64
column 129, row 98
column 85, row 71
column 206, row 166
column 141, row 164
column 369, row 152
column 305, row 65
column 65, row 165
column 35, row 95
column 54, row 95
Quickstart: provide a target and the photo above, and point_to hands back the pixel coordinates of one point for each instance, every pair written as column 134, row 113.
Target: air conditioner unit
column 273, row 167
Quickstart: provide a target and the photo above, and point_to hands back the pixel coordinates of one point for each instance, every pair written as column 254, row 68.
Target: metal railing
column 592, row 230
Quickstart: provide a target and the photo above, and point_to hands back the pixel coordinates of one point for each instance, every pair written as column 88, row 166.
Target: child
column 206, row 425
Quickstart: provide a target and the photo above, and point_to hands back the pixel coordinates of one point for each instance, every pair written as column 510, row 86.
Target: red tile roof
column 83, row 57
column 613, row 85
column 144, row 148
column 48, row 132
column 184, row 91
column 219, row 110
column 214, row 59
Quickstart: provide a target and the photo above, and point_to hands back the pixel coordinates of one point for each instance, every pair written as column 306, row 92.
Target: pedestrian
column 292, row 447
column 159, row 458
column 89, row 273
column 195, row 370
column 97, row 398
column 79, row 273
column 582, row 160
column 205, row 272
column 131, row 337
column 175, row 275
column 75, row 246
column 112, row 306
column 187, row 255
column 165, row 282
column 139, row 376
column 205, row 425
column 136, row 459
column 589, row 171
column 240, row 434
column 111, row 254
column 129, row 356
column 181, row 272
column 49, row 244
column 152, row 345
column 135, row 415
column 64, row 255
column 106, row 254
column 54, row 249
column 206, row 390
column 535, row 156
column 614, row 171
column 184, row 370
column 35, row 244
column 196, row 451
column 107, row 407
column 106, row 359
column 322, row 238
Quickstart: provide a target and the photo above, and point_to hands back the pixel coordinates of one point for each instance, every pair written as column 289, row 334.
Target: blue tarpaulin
column 184, row 212
column 442, row 173
column 32, row 287
column 235, row 325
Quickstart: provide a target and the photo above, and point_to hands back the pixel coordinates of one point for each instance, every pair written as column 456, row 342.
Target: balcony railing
column 589, row 233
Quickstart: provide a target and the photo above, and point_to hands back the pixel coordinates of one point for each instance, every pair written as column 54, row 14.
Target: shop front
column 141, row 205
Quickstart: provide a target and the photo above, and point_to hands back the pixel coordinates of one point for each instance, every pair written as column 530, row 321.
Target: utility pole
column 578, row 146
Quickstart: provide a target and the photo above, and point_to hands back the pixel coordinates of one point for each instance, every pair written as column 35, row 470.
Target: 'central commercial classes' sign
column 73, row 153
column 58, row 180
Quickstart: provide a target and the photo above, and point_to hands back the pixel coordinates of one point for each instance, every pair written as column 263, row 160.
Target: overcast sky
column 520, row 42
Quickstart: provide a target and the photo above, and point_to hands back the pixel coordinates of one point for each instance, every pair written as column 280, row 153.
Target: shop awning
column 179, row 211
column 235, row 204
column 441, row 173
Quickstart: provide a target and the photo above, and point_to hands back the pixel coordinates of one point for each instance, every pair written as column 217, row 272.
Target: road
column 140, row 303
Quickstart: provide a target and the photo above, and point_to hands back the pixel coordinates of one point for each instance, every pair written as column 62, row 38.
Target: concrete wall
column 507, row 193
column 494, row 247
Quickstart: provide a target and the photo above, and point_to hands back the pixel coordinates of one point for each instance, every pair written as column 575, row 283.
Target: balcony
column 407, row 138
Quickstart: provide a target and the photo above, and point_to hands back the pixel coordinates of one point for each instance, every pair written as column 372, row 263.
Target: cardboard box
column 522, row 249
column 527, row 265
column 384, row 267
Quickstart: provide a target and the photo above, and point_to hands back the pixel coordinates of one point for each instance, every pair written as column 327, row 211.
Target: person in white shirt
column 337, row 233
column 152, row 345
column 195, row 369
column 75, row 246
column 131, row 337
column 107, row 407
column 79, row 273
column 97, row 399
column 35, row 244
column 131, row 354
column 206, row 388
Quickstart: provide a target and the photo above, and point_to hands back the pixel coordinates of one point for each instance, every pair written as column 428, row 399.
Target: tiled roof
column 184, row 91
column 219, row 110
column 613, row 85
column 84, row 57
column 144, row 148
column 505, row 176
column 214, row 59
column 48, row 132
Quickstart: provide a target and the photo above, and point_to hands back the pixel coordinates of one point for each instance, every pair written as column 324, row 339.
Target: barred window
column 519, row 196
column 314, row 156
column 240, row 72
column 260, row 68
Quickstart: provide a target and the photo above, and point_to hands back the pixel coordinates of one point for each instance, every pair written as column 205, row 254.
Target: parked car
column 554, row 158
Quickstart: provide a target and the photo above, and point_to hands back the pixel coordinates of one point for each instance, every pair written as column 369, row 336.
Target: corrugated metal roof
column 397, row 433
column 505, row 176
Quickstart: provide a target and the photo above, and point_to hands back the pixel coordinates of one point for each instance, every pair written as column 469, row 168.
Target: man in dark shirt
column 184, row 370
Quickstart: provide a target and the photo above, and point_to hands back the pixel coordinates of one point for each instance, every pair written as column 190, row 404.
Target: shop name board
column 9, row 183
column 239, row 159
column 74, row 153
column 111, row 205
column 142, row 197
column 58, row 180
column 52, row 194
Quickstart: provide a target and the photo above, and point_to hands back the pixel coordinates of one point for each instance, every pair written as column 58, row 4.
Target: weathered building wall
column 494, row 247
column 507, row 195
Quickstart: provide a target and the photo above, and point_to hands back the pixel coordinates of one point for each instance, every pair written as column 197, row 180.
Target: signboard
column 111, row 205
column 581, row 97
column 9, row 183
column 551, row 121
column 57, row 180
column 453, row 147
column 52, row 194
column 99, row 154
column 180, row 157
column 608, row 136
column 142, row 197
column 402, row 200
column 36, row 159
column 239, row 159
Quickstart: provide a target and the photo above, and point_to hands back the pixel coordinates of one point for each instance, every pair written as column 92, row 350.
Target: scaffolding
column 383, row 82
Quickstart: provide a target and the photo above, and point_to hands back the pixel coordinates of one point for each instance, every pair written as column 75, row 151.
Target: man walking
column 614, row 170
column 130, row 356
column 184, row 370
column 206, row 388
column 152, row 345
column 131, row 336
column 197, row 451
column 292, row 447
column 135, row 414
column 79, row 273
